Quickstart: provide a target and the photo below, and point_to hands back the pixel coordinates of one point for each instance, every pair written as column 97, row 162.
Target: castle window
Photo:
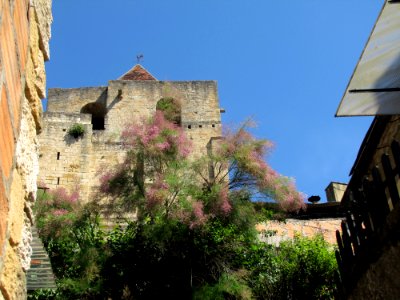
column 213, row 125
column 189, row 126
column 171, row 109
column 58, row 180
column 200, row 126
column 58, row 155
column 98, row 112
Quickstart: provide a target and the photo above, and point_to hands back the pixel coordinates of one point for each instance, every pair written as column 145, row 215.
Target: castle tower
column 103, row 112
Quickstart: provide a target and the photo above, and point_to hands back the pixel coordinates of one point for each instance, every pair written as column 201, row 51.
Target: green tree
column 184, row 234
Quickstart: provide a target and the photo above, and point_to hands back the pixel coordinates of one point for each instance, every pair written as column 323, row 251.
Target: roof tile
column 137, row 73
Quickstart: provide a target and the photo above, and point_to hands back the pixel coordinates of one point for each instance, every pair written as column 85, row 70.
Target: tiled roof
column 137, row 73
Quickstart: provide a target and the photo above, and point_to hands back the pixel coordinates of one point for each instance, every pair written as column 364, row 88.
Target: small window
column 213, row 125
column 58, row 180
column 189, row 126
column 58, row 155
column 64, row 129
column 200, row 126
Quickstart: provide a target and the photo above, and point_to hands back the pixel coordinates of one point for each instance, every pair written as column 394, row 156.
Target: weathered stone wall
column 72, row 100
column 24, row 37
column 68, row 162
column 129, row 101
column 308, row 228
column 74, row 163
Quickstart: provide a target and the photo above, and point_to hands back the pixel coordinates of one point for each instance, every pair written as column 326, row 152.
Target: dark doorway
column 98, row 112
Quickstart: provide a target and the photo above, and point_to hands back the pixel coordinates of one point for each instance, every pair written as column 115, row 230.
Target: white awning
column 374, row 88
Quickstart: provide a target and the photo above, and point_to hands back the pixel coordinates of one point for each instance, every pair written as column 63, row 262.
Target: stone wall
column 72, row 100
column 74, row 163
column 286, row 230
column 70, row 163
column 24, row 37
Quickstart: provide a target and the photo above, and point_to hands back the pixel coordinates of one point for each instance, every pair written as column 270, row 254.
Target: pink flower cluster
column 105, row 181
column 157, row 192
column 248, row 153
column 224, row 205
column 60, row 195
column 199, row 217
column 158, row 137
column 60, row 212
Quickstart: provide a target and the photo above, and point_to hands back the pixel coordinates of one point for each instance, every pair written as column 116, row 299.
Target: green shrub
column 43, row 294
column 229, row 286
column 76, row 130
column 300, row 269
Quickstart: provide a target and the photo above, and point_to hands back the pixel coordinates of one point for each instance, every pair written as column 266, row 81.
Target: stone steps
column 40, row 275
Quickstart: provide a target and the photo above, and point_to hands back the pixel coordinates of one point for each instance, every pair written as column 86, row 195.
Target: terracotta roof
column 137, row 73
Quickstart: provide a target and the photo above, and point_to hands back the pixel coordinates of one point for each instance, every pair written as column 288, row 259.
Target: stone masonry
column 74, row 163
column 24, row 39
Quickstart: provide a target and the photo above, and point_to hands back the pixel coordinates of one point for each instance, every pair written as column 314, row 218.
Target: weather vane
column 139, row 58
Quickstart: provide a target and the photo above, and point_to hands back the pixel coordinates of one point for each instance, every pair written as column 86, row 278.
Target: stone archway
column 98, row 112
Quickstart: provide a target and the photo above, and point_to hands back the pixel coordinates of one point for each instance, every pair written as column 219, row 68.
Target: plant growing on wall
column 76, row 130
column 171, row 109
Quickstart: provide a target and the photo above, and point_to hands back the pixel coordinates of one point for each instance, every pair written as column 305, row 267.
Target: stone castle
column 69, row 162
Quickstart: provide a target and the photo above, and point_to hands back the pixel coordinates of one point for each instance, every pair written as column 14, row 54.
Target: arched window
column 171, row 109
column 98, row 112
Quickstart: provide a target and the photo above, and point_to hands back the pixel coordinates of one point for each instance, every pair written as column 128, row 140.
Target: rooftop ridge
column 138, row 72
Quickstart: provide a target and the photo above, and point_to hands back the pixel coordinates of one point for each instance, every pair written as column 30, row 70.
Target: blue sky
column 284, row 63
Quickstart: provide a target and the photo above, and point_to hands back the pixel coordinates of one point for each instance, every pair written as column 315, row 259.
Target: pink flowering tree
column 159, row 178
column 55, row 210
column 71, row 234
column 152, row 177
column 238, row 163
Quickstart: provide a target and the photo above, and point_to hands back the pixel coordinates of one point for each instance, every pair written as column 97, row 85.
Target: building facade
column 66, row 161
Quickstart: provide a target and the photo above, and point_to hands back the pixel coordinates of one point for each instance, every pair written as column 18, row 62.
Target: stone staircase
column 40, row 275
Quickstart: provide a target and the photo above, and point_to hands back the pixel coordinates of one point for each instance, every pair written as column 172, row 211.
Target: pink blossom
column 60, row 212
column 157, row 192
column 162, row 146
column 157, row 137
column 105, row 181
column 60, row 195
column 225, row 205
column 199, row 217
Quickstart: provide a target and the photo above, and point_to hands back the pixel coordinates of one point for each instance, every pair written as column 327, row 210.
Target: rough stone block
column 16, row 212
column 37, row 74
column 10, row 66
column 45, row 18
column 12, row 278
column 32, row 95
column 7, row 136
column 22, row 30
column 3, row 215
